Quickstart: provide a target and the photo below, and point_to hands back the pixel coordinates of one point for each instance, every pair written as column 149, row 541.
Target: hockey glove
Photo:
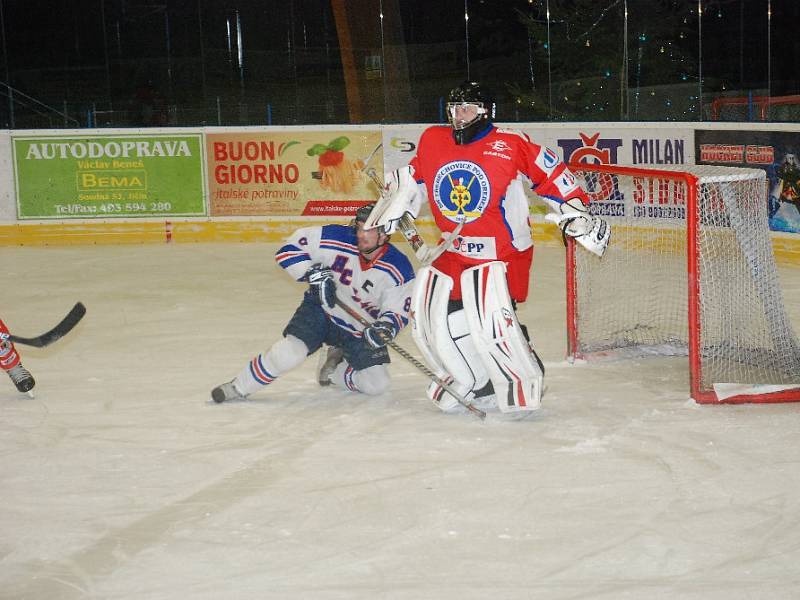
column 593, row 233
column 379, row 334
column 322, row 285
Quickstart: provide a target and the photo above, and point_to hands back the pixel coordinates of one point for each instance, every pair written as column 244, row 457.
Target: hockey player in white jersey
column 357, row 267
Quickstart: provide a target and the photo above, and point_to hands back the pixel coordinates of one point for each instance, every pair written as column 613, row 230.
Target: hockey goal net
column 756, row 108
column 689, row 271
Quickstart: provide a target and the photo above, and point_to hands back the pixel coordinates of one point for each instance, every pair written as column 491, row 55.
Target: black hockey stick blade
column 57, row 332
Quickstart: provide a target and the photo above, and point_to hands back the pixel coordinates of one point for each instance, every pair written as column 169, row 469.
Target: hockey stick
column 470, row 407
column 56, row 333
column 422, row 251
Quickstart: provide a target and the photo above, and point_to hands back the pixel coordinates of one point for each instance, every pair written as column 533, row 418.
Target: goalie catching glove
column 322, row 285
column 575, row 221
column 379, row 334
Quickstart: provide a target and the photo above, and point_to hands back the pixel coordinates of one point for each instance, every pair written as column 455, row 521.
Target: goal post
column 690, row 272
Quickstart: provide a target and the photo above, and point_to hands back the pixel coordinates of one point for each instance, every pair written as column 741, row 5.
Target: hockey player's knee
column 373, row 381
column 287, row 353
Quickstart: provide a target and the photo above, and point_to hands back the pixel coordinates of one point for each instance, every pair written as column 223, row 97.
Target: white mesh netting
column 636, row 296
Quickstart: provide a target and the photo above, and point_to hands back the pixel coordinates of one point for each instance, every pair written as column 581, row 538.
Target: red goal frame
column 693, row 283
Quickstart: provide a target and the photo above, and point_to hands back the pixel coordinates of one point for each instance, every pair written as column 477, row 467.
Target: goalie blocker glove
column 575, row 221
column 379, row 334
column 322, row 285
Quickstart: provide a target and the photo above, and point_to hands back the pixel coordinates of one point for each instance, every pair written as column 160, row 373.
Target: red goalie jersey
column 482, row 184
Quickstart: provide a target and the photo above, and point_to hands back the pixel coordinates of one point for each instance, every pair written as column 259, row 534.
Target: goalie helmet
column 470, row 110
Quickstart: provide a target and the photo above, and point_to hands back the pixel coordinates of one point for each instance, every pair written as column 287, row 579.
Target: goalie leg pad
column 443, row 339
column 515, row 373
column 445, row 400
column 466, row 361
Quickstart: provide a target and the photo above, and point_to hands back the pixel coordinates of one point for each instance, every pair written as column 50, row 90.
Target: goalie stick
column 56, row 333
column 439, row 381
column 422, row 251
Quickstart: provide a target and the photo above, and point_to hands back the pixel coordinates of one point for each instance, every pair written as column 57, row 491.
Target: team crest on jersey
column 461, row 190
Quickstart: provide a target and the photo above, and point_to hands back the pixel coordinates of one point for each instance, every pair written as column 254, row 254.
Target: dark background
column 69, row 63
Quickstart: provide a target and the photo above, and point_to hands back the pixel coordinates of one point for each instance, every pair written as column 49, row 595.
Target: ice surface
column 121, row 480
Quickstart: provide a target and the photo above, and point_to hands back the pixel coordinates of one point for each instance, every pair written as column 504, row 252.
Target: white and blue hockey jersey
column 378, row 290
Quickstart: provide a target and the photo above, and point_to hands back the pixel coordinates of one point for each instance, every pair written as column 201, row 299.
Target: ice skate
column 22, row 378
column 329, row 359
column 226, row 392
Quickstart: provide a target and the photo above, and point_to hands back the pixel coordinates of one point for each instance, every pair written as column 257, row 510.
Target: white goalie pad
column 443, row 339
column 516, row 375
column 401, row 196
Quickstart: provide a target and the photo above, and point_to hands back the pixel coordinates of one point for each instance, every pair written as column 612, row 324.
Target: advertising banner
column 105, row 176
column 292, row 173
column 776, row 152
column 634, row 146
column 651, row 146
column 8, row 201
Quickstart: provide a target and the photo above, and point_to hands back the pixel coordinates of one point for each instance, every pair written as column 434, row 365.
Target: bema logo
column 591, row 149
column 89, row 181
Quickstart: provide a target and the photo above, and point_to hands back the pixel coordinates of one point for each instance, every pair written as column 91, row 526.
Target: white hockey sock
column 283, row 356
column 371, row 381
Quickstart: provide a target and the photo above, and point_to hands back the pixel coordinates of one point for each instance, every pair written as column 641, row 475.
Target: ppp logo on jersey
column 461, row 190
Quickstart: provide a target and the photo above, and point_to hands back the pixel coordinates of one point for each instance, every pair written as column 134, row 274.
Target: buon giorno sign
column 251, row 162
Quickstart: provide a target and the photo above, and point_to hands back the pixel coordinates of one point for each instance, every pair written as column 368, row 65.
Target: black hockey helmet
column 477, row 103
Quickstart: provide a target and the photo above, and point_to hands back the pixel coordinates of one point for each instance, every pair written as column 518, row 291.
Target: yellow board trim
column 787, row 249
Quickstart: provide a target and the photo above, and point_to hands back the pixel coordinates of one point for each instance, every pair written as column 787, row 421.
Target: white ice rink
column 120, row 480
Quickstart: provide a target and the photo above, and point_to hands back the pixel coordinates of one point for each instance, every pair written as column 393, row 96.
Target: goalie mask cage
column 689, row 271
